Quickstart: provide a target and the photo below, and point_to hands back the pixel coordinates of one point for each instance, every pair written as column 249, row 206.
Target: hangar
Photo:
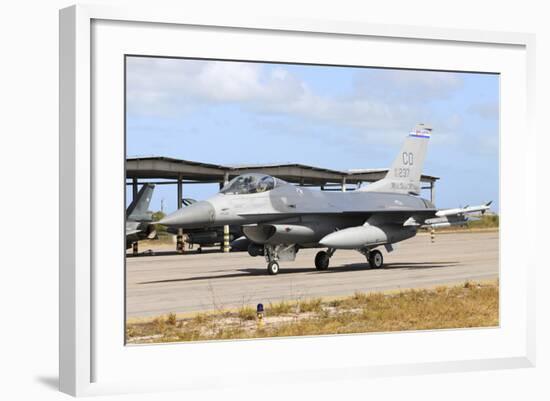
column 171, row 171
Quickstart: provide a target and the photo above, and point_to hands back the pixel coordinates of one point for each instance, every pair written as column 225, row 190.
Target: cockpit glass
column 249, row 184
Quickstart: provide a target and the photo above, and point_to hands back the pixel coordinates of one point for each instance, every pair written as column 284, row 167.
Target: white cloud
column 380, row 100
column 407, row 85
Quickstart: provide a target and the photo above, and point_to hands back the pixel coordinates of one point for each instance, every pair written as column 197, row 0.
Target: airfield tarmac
column 170, row 282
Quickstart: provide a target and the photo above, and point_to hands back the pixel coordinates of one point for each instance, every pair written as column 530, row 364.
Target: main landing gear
column 322, row 259
column 375, row 258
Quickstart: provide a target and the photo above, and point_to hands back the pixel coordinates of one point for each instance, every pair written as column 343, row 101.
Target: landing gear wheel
column 199, row 250
column 273, row 267
column 322, row 260
column 376, row 260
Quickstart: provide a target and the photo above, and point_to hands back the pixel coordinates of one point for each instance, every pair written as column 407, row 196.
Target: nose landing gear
column 275, row 253
column 273, row 267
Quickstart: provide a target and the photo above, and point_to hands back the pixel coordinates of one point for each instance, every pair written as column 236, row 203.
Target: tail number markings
column 408, row 158
column 402, row 172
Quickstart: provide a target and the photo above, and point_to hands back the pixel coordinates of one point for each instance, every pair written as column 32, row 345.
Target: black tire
column 272, row 268
column 322, row 260
column 376, row 260
column 199, row 250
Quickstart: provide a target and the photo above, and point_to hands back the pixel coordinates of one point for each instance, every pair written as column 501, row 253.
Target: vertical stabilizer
column 138, row 209
column 404, row 174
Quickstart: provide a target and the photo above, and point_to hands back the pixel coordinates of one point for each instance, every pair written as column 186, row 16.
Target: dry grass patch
column 468, row 305
column 280, row 308
column 247, row 313
column 311, row 305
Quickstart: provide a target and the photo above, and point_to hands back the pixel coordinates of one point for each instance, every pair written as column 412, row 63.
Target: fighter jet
column 138, row 218
column 280, row 218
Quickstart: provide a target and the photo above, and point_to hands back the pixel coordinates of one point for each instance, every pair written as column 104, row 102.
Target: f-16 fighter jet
column 281, row 218
column 139, row 219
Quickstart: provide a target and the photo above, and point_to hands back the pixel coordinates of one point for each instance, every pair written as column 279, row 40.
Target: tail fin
column 138, row 209
column 404, row 174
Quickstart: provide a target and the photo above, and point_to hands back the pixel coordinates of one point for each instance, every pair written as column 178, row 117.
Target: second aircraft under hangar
column 279, row 218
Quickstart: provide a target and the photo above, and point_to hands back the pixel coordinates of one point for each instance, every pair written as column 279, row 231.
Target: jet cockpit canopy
column 252, row 183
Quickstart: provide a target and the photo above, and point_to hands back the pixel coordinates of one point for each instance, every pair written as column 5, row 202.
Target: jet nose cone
column 198, row 214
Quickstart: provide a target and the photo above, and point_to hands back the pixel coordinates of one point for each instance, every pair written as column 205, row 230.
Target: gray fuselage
column 288, row 214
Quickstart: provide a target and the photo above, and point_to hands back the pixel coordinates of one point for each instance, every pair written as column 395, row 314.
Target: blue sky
column 336, row 117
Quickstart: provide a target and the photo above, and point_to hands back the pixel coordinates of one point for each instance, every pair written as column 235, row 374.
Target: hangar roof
column 159, row 167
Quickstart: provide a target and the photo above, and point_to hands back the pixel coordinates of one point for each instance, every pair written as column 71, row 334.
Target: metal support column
column 179, row 238
column 225, row 243
column 343, row 184
column 134, row 188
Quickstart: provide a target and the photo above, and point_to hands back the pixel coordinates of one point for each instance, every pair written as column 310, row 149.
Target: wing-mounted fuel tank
column 366, row 236
column 280, row 233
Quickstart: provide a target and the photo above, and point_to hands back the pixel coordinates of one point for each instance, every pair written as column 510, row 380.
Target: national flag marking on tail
column 421, row 132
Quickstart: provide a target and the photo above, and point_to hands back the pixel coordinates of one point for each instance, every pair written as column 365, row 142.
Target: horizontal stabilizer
column 461, row 211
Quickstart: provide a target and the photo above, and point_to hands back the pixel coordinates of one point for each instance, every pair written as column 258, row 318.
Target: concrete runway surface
column 169, row 282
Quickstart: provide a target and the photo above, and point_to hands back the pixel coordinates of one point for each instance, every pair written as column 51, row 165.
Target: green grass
column 468, row 305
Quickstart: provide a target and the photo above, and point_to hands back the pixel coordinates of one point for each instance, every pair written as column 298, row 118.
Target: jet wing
column 455, row 217
column 391, row 216
column 273, row 216
column 407, row 217
column 404, row 217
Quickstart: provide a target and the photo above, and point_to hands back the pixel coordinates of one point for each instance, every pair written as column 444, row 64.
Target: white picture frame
column 93, row 358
